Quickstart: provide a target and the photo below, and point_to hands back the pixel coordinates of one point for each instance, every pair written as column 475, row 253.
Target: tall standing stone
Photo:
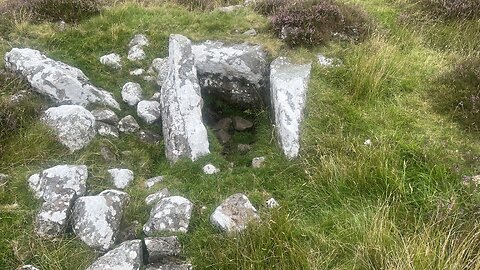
column 181, row 103
column 288, row 87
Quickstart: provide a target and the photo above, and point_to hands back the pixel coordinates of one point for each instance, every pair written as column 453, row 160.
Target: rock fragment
column 171, row 214
column 234, row 214
column 127, row 256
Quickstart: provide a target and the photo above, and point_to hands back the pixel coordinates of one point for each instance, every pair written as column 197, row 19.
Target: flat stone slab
column 127, row 256
column 234, row 214
column 171, row 214
column 288, row 88
column 184, row 132
column 60, row 82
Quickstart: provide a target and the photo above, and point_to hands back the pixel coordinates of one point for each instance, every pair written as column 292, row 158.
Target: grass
column 396, row 204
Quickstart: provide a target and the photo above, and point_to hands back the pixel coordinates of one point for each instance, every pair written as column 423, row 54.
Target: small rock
column 250, row 32
column 230, row 9
column 149, row 78
column 121, row 177
column 156, row 96
column 27, row 267
column 3, row 179
column 210, row 169
column 224, row 123
column 244, row 148
column 132, row 93
column 128, row 124
column 155, row 197
column 152, row 181
column 159, row 67
column 127, row 256
column 136, row 53
column 161, row 249
column 241, row 124
column 171, row 214
column 112, row 60
column 325, row 61
column 106, row 116
column 147, row 136
column 139, row 40
column 137, row 72
column 223, row 136
column 258, row 162
column 149, row 111
column 234, row 214
column 53, row 216
column 106, row 130
column 170, row 266
column 367, row 142
column 272, row 203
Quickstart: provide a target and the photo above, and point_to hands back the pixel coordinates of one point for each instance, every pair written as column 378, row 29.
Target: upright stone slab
column 62, row 83
column 181, row 103
column 288, row 89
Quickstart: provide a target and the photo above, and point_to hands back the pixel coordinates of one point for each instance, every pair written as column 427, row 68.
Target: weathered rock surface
column 60, row 82
column 234, row 214
column 152, row 181
column 73, row 125
column 50, row 184
column 136, row 53
column 137, row 72
column 223, row 136
column 131, row 93
column 139, row 40
column 181, row 102
column 160, row 68
column 157, row 196
column 272, row 203
column 149, row 110
column 52, row 218
column 127, row 256
column 162, row 249
column 171, row 214
column 106, row 116
column 224, row 123
column 106, row 130
column 128, row 124
column 148, row 136
column 121, row 178
column 210, row 169
column 258, row 162
column 96, row 219
column 241, row 124
column 244, row 148
column 250, row 32
column 237, row 74
column 173, row 266
column 112, row 60
column 288, row 87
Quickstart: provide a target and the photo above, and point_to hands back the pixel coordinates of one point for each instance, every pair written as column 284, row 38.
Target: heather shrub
column 452, row 9
column 459, row 93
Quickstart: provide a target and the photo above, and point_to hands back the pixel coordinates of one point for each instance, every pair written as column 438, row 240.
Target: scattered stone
column 210, row 169
column 3, row 179
column 258, row 162
column 139, row 40
column 96, row 219
column 106, row 130
column 325, row 61
column 50, row 184
column 152, row 181
column 106, row 116
column 162, row 249
column 156, row 96
column 28, row 267
column 137, row 72
column 149, row 78
column 128, row 124
column 73, row 125
column 250, row 32
column 132, row 93
column 136, row 53
column 367, row 142
column 171, row 214
column 241, row 124
column 60, row 82
column 173, row 266
column 289, row 85
column 112, row 60
column 156, row 197
column 244, row 148
column 159, row 67
column 237, row 74
column 147, row 136
column 127, row 256
column 272, row 203
column 52, row 218
column 121, row 177
column 223, row 136
column 181, row 102
column 149, row 111
column 230, row 9
column 224, row 123
column 234, row 214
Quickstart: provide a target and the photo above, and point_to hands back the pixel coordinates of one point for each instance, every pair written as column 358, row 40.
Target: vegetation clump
column 452, row 9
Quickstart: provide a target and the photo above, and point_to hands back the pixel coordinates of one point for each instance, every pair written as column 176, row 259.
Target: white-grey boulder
column 237, row 74
column 131, row 93
column 52, row 218
column 121, row 178
column 149, row 110
column 112, row 60
column 152, row 181
column 106, row 116
column 171, row 214
column 159, row 68
column 127, row 256
column 60, row 82
column 181, row 102
column 73, row 125
column 139, row 40
column 234, row 214
column 258, row 162
column 288, row 88
column 272, row 203
column 128, row 124
column 162, row 249
column 96, row 219
column 137, row 72
column 106, row 130
column 210, row 169
column 157, row 196
column 136, row 53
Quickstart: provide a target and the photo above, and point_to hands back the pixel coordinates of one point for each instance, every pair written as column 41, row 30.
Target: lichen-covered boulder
column 237, row 74
column 171, row 214
column 149, row 110
column 73, row 125
column 131, row 93
column 106, row 130
column 112, row 60
column 96, row 219
column 181, row 103
column 288, row 87
column 128, row 124
column 127, row 256
column 60, row 82
column 52, row 218
column 121, row 178
column 234, row 214
column 157, row 196
column 162, row 249
column 106, row 116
